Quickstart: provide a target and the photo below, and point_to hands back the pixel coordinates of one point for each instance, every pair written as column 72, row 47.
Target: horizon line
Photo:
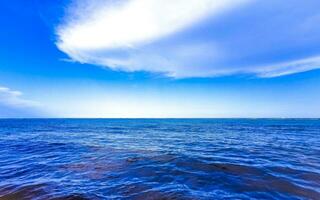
column 160, row 118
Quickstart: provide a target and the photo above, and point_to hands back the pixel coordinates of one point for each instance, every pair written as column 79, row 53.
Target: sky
column 160, row 58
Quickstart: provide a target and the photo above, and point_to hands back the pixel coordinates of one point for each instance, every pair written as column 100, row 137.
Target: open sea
column 153, row 159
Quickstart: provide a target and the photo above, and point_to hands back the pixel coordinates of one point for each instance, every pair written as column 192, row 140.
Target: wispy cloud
column 281, row 69
column 13, row 105
column 192, row 38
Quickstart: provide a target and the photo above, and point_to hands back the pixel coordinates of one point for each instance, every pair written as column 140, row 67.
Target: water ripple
column 59, row 159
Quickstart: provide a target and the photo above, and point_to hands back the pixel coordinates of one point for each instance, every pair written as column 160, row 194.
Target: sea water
column 159, row 159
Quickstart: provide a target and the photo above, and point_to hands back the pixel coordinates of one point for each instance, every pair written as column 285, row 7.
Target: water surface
column 159, row 159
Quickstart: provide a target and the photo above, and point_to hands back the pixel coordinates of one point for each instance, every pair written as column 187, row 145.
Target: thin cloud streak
column 292, row 67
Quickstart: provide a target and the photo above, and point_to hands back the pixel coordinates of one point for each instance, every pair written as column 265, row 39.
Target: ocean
column 159, row 159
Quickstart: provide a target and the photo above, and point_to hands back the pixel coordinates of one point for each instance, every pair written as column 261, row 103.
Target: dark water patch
column 35, row 192
column 71, row 197
column 279, row 186
column 307, row 178
column 93, row 169
column 22, row 193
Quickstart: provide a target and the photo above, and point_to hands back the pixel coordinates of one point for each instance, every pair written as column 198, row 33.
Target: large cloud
column 194, row 38
column 13, row 105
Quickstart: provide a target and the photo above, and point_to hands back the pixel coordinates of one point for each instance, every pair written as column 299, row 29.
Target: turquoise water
column 159, row 159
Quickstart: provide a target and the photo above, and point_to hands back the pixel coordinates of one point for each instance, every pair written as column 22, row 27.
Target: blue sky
column 158, row 58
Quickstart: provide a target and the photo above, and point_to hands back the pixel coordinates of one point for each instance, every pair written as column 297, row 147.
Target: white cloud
column 13, row 98
column 163, row 36
column 13, row 105
column 122, row 24
column 114, row 33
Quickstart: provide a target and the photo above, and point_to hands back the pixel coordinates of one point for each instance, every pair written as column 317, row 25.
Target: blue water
column 159, row 159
